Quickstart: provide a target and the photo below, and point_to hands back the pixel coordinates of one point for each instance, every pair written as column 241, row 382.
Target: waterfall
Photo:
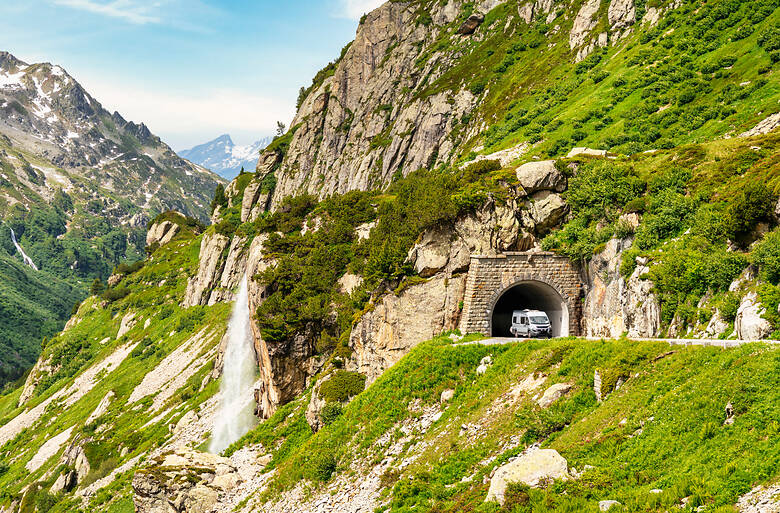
column 235, row 414
column 26, row 259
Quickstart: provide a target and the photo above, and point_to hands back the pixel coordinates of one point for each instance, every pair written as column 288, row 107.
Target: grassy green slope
column 664, row 428
column 704, row 70
column 153, row 292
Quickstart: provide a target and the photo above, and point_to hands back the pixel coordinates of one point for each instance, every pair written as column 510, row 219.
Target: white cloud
column 185, row 119
column 133, row 11
column 354, row 9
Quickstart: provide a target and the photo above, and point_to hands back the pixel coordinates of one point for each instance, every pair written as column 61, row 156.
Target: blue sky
column 190, row 69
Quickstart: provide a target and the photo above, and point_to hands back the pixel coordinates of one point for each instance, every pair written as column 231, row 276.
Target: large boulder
column 184, row 481
column 749, row 323
column 553, row 393
column 547, row 210
column 532, row 469
column 541, row 175
column 471, row 24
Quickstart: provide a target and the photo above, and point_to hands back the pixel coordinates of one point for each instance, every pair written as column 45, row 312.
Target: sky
column 190, row 69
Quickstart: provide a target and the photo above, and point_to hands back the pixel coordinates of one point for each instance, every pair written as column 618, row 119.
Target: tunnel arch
column 532, row 295
column 491, row 277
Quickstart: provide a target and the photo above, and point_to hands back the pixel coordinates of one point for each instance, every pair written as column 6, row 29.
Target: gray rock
column 584, row 22
column 621, row 14
column 210, row 264
column 171, row 485
column 532, row 469
column 607, row 505
column 396, row 324
column 614, row 305
column 749, row 323
column 541, row 175
column 161, row 233
column 547, row 210
column 553, row 393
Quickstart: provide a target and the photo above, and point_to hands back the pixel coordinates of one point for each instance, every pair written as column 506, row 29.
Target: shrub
column 97, row 287
column 44, row 501
column 480, row 167
column 754, row 203
column 323, row 466
column 219, row 198
column 330, row 412
column 516, row 498
column 342, row 385
column 728, row 306
column 766, row 256
column 112, row 295
column 769, row 40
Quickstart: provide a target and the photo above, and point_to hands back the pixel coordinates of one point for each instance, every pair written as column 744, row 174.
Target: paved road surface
column 673, row 341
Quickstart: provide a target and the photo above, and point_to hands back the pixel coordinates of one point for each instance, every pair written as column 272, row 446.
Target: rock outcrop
column 397, row 323
column 185, row 481
column 749, row 323
column 360, row 126
column 210, row 262
column 615, row 305
column 161, row 233
column 532, row 469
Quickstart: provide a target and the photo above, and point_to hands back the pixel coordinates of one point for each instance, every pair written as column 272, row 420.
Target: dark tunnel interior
column 531, row 295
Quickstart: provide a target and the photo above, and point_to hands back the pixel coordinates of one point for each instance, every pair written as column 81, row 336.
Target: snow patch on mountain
column 224, row 157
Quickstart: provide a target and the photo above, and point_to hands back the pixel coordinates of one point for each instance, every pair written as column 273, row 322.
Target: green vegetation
column 663, row 428
column 342, row 386
column 153, row 291
column 694, row 201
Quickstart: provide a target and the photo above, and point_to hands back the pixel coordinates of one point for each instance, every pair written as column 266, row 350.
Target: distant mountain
column 77, row 186
column 225, row 158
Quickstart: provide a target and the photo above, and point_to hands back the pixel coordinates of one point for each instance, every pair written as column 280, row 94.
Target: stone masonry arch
column 492, row 277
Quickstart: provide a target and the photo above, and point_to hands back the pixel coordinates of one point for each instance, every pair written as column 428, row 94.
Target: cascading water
column 235, row 416
column 26, row 259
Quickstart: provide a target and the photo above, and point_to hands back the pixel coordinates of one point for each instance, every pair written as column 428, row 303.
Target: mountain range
column 225, row 158
column 78, row 185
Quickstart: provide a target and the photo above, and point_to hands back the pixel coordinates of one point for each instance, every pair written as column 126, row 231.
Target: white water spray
column 26, row 259
column 235, row 416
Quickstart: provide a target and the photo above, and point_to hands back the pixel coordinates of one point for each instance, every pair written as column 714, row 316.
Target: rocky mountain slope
column 77, row 187
column 225, row 158
column 368, row 397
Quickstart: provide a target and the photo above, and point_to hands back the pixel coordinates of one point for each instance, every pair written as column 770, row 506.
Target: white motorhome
column 530, row 323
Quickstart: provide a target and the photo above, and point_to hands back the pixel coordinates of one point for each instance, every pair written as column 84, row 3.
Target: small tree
column 97, row 287
column 281, row 128
column 219, row 197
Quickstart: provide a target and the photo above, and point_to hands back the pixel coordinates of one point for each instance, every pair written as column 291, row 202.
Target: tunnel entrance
column 531, row 295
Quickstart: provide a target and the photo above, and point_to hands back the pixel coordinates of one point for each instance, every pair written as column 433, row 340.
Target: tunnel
column 531, row 295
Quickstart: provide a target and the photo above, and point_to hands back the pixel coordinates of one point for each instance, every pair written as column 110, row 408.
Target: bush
column 112, row 295
column 342, row 385
column 754, row 203
column 44, row 501
column 766, row 256
column 330, row 412
column 323, row 466
column 97, row 287
column 516, row 498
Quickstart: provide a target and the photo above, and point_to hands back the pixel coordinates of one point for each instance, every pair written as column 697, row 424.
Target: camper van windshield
column 538, row 319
